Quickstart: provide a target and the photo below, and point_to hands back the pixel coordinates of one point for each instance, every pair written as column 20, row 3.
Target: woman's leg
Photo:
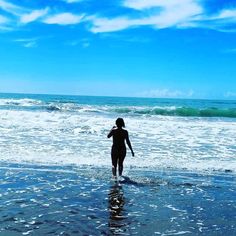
column 114, row 160
column 114, row 165
column 121, row 160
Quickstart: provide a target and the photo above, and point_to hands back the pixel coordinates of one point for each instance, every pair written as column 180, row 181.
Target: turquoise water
column 119, row 105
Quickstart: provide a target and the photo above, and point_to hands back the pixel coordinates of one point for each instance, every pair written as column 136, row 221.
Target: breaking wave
column 68, row 106
column 181, row 111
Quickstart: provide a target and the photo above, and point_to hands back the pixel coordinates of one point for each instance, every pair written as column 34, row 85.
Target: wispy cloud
column 140, row 4
column 28, row 42
column 100, row 25
column 81, row 42
column 12, row 8
column 157, row 14
column 170, row 14
column 227, row 14
column 4, row 24
column 73, row 1
column 34, row 15
column 3, row 20
column 160, row 14
column 166, row 93
column 85, row 43
column 63, row 19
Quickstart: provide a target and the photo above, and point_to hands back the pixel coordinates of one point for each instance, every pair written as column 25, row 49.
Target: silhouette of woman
column 118, row 150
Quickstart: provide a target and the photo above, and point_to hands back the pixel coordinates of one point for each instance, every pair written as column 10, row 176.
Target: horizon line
column 116, row 96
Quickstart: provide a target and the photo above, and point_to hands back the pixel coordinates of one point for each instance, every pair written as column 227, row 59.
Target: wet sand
column 70, row 200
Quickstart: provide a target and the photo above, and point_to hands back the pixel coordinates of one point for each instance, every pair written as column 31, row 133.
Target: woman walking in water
column 118, row 151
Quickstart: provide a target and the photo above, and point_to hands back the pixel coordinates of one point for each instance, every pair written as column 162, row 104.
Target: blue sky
column 151, row 48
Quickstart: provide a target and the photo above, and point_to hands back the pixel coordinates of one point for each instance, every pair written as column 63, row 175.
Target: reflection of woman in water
column 118, row 151
column 118, row 215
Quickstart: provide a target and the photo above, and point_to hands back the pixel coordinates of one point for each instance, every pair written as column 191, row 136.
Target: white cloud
column 166, row 93
column 176, row 15
column 28, row 42
column 172, row 14
column 72, row 1
column 34, row 15
column 161, row 14
column 141, row 4
column 227, row 14
column 5, row 24
column 157, row 14
column 81, row 42
column 32, row 44
column 224, row 21
column 64, row 19
column 3, row 20
column 11, row 8
column 109, row 25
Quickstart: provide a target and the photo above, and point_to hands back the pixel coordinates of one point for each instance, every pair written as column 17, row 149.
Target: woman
column 118, row 151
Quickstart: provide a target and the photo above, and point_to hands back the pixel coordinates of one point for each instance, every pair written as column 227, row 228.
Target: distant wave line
column 182, row 111
column 65, row 106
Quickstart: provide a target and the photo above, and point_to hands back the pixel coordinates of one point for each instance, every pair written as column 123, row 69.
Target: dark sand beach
column 54, row 200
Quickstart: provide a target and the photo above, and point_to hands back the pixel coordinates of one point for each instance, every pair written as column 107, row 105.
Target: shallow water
column 53, row 200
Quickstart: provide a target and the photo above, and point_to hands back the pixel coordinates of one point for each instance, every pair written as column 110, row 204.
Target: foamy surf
column 79, row 138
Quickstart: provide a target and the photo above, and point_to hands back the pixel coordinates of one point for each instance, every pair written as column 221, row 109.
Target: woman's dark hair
column 120, row 123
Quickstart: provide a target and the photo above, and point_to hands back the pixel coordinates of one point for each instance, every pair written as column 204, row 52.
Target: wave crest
column 181, row 111
column 68, row 106
column 20, row 102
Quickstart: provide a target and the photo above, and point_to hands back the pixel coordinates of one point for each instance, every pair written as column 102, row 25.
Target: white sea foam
column 19, row 102
column 80, row 139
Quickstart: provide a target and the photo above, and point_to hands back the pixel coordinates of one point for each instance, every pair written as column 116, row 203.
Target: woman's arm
column 129, row 144
column 111, row 132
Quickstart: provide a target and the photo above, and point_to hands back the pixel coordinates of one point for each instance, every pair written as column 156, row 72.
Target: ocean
column 165, row 133
column 56, row 168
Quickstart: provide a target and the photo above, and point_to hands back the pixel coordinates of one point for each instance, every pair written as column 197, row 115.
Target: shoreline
column 72, row 168
column 85, row 201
